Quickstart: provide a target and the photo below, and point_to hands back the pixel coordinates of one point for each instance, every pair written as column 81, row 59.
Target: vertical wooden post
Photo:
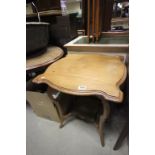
column 93, row 21
column 88, row 21
column 100, row 18
column 97, row 19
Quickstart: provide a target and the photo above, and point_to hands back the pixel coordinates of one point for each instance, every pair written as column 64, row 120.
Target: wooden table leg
column 63, row 118
column 57, row 106
column 59, row 109
column 59, row 113
column 122, row 136
column 103, row 118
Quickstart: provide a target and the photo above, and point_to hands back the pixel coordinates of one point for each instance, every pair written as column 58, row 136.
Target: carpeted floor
column 76, row 138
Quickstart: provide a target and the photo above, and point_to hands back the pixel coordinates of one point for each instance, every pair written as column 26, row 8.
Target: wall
column 73, row 7
column 28, row 9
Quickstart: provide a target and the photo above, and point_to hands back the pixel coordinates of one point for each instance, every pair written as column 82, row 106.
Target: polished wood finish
column 49, row 56
column 94, row 16
column 88, row 21
column 99, row 15
column 93, row 21
column 83, row 74
column 97, row 19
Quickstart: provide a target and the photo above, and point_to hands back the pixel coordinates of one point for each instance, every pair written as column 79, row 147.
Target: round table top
column 52, row 54
column 83, row 74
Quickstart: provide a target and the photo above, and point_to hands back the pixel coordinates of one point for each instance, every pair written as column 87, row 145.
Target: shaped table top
column 52, row 54
column 83, row 74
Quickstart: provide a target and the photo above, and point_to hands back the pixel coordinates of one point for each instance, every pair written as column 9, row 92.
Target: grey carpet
column 76, row 138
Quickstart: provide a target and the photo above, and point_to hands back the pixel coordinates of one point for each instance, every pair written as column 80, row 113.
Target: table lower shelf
column 89, row 109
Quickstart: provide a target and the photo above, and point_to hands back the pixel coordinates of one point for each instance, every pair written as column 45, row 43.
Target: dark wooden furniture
column 94, row 18
column 124, row 133
column 85, row 75
column 125, row 130
column 97, row 13
column 107, row 15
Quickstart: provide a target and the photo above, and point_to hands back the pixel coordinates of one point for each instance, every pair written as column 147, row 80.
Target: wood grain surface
column 82, row 74
column 52, row 54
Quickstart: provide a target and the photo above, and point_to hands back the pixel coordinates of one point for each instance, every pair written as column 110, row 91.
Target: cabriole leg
column 103, row 118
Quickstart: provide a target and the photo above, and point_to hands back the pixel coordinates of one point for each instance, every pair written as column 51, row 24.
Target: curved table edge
column 119, row 99
column 46, row 63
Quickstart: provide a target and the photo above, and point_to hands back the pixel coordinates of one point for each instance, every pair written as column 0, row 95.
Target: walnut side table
column 85, row 75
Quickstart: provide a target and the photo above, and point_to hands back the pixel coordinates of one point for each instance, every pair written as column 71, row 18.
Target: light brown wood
column 52, row 54
column 83, row 74
column 94, row 15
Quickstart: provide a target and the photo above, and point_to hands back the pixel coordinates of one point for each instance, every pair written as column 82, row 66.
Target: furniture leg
column 121, row 137
column 103, row 117
column 57, row 106
column 60, row 114
column 63, row 117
